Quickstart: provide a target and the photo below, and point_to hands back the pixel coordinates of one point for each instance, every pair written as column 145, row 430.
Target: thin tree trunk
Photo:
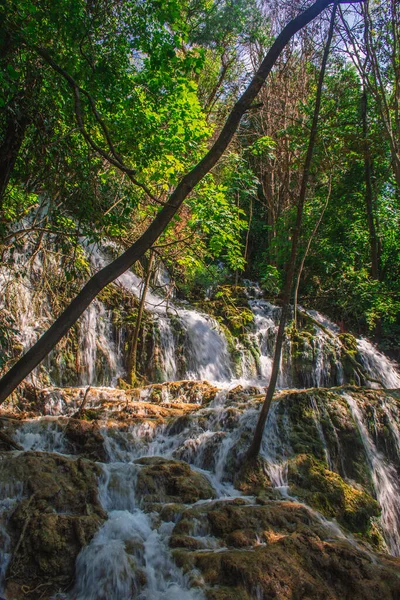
column 135, row 338
column 112, row 271
column 307, row 250
column 9, row 149
column 369, row 203
column 255, row 446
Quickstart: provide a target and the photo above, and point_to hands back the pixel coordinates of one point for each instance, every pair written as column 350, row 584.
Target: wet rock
column 181, row 392
column 84, row 438
column 252, row 478
column 281, row 550
column 162, row 480
column 58, row 514
column 326, row 491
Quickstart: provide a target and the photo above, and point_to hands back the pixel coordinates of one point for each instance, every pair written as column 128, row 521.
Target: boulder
column 56, row 513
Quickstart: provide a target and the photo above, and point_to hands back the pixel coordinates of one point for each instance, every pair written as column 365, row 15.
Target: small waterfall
column 205, row 347
column 129, row 556
column 44, row 434
column 266, row 317
column 10, row 495
column 317, row 419
column 207, row 352
column 275, row 448
column 97, row 346
column 385, row 480
column 168, row 348
column 378, row 365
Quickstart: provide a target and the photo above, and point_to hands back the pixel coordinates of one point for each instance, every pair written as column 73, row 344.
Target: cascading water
column 129, row 556
column 379, row 366
column 129, row 549
column 385, row 480
column 10, row 495
column 191, row 344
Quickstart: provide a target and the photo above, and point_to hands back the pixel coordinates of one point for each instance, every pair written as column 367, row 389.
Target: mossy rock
column 57, row 516
column 296, row 558
column 340, row 433
column 303, row 433
column 163, row 480
column 84, row 437
column 326, row 491
column 252, row 478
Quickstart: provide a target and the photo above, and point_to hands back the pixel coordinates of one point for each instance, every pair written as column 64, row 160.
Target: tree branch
column 112, row 271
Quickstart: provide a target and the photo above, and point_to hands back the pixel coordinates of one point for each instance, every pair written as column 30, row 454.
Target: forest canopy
column 105, row 106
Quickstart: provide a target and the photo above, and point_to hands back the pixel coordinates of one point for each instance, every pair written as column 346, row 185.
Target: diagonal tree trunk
column 255, row 446
column 60, row 327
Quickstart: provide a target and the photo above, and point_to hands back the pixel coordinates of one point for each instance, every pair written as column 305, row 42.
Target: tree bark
column 255, row 446
column 9, row 149
column 112, row 271
column 369, row 202
column 134, row 344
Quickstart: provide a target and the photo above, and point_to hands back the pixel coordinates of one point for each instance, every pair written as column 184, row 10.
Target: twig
column 77, row 414
column 26, row 523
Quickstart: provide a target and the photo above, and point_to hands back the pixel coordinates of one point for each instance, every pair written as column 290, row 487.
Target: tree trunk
column 306, row 251
column 9, row 149
column 369, row 202
column 134, row 344
column 112, row 271
column 19, row 117
column 255, row 446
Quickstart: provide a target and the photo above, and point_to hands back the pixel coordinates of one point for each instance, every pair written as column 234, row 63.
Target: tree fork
column 255, row 446
column 64, row 322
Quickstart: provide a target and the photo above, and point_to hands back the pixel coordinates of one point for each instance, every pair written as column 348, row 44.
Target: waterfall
column 96, row 345
column 205, row 346
column 378, row 365
column 10, row 495
column 275, row 449
column 129, row 549
column 385, row 480
column 209, row 428
column 190, row 344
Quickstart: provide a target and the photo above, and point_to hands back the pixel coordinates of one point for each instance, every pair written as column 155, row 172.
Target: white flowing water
column 385, row 480
column 275, row 449
column 191, row 344
column 129, row 556
column 10, row 495
column 378, row 365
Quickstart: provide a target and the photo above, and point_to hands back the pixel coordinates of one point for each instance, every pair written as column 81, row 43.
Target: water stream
column 129, row 556
column 385, row 479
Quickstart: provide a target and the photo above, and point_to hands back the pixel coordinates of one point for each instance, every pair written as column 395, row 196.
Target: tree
column 255, row 446
column 373, row 45
column 185, row 186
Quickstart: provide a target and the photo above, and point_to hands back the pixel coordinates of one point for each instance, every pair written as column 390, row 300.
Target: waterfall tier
column 166, row 494
column 124, row 493
column 180, row 342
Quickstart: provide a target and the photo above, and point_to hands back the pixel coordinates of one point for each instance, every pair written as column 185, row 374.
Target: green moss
column 162, row 480
column 252, row 478
column 326, row 491
column 230, row 307
column 58, row 516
